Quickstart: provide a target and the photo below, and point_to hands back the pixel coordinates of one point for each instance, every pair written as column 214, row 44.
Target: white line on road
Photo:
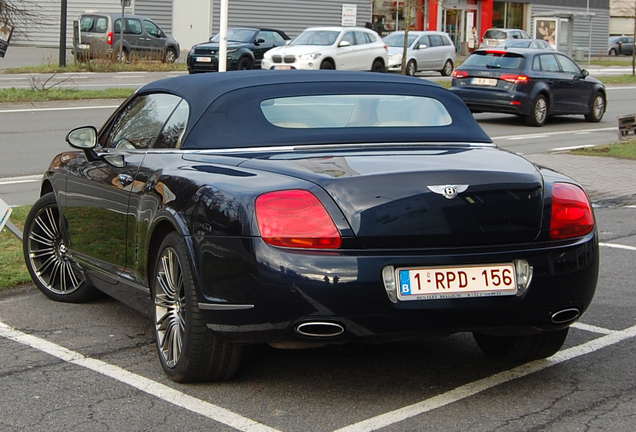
column 22, row 179
column 484, row 384
column 617, row 246
column 572, row 147
column 144, row 384
column 58, row 109
column 529, row 136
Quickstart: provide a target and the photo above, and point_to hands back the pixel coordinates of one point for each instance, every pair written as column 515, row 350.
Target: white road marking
column 146, row 385
column 484, row 384
column 592, row 328
column 58, row 109
column 22, row 179
column 529, row 136
column 572, row 147
column 618, row 246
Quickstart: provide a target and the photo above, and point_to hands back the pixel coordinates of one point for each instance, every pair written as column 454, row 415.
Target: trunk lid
column 396, row 199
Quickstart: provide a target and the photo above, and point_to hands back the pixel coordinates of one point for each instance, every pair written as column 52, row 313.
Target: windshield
column 316, row 37
column 396, row 40
column 237, row 35
column 495, row 60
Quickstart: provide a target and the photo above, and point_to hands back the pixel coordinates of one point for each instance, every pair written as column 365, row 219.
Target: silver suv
column 99, row 37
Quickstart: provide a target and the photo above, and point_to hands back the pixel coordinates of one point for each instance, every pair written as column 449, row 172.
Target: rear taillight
column 109, row 38
column 516, row 79
column 459, row 74
column 571, row 212
column 497, row 52
column 296, row 218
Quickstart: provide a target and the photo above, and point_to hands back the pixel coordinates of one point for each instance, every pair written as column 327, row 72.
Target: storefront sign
column 349, row 15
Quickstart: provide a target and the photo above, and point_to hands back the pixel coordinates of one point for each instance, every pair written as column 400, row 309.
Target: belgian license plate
column 204, row 59
column 84, row 46
column 431, row 283
column 282, row 67
column 485, row 81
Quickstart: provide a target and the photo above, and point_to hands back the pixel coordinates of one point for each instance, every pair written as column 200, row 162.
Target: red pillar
column 432, row 14
column 419, row 15
column 486, row 17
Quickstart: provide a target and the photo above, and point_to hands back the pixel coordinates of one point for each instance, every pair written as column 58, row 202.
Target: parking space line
column 618, row 246
column 484, row 384
column 146, row 385
column 592, row 328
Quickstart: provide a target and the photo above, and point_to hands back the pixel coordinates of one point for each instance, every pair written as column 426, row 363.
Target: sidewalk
column 608, row 181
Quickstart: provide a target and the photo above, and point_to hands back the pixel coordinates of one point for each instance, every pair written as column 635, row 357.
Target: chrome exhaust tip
column 565, row 316
column 320, row 329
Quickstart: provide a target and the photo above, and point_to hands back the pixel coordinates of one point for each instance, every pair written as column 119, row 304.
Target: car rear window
column 343, row 111
column 495, row 60
column 495, row 34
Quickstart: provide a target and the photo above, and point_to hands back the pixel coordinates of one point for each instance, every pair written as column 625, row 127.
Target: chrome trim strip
column 329, row 147
column 224, row 306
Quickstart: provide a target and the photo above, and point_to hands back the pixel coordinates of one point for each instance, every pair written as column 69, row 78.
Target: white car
column 341, row 48
column 426, row 51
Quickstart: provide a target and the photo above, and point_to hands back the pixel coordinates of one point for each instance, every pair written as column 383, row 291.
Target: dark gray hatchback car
column 100, row 37
column 531, row 83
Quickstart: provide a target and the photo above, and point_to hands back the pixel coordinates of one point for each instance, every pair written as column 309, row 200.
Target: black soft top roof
column 225, row 108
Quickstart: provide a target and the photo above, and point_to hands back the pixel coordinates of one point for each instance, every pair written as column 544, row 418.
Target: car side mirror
column 259, row 41
column 422, row 46
column 344, row 44
column 83, row 137
column 584, row 73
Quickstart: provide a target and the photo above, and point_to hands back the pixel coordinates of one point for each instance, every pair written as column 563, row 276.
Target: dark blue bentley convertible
column 302, row 209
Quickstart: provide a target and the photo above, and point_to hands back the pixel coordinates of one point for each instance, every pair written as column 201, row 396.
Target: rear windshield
column 343, row 111
column 495, row 60
column 495, row 34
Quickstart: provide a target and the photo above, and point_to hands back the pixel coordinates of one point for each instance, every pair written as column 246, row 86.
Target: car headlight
column 267, row 55
column 232, row 50
column 312, row 56
column 397, row 56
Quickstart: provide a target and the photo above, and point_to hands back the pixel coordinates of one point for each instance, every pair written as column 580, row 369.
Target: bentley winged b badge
column 449, row 191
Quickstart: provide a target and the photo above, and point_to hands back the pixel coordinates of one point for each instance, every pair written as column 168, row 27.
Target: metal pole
column 121, row 32
column 14, row 230
column 223, row 36
column 589, row 40
column 63, row 34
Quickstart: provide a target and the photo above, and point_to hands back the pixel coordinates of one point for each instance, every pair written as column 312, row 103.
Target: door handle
column 124, row 179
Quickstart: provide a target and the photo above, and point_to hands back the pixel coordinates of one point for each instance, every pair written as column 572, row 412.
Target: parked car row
column 340, row 48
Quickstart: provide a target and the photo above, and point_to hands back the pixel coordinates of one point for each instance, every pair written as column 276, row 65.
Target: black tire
column 327, row 65
column 187, row 349
column 411, row 68
column 539, row 112
column 245, row 63
column 521, row 348
column 448, row 68
column 170, row 56
column 51, row 267
column 378, row 66
column 597, row 110
column 612, row 52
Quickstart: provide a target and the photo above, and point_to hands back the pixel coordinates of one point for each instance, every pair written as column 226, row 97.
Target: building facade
column 194, row 21
column 574, row 20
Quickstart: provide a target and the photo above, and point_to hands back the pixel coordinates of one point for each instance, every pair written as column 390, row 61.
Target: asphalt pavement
column 608, row 181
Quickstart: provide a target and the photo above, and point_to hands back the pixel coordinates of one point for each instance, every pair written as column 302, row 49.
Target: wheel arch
column 329, row 60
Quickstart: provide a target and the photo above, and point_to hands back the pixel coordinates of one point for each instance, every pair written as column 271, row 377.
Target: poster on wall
column 349, row 15
column 5, row 38
column 547, row 29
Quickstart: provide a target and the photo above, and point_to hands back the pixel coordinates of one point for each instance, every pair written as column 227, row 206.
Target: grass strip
column 53, row 94
column 13, row 271
column 623, row 150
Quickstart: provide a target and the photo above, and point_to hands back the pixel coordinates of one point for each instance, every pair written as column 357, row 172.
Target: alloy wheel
column 48, row 254
column 170, row 307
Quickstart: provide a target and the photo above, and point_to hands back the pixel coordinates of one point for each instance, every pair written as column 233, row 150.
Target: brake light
column 571, row 212
column 515, row 79
column 296, row 218
column 497, row 52
column 459, row 74
column 109, row 38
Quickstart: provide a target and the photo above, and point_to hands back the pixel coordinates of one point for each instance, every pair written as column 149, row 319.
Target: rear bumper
column 259, row 293
column 495, row 101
